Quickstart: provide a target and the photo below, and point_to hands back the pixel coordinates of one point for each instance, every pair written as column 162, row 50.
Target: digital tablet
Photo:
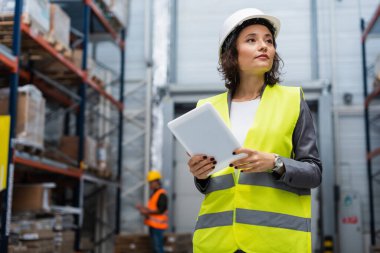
column 202, row 131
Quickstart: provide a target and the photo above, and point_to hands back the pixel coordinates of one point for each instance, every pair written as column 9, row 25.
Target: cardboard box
column 375, row 249
column 139, row 243
column 60, row 24
column 17, row 249
column 67, row 243
column 69, row 146
column 77, row 60
column 40, row 246
column 120, row 9
column 30, row 115
column 32, row 197
column 178, row 242
column 35, row 12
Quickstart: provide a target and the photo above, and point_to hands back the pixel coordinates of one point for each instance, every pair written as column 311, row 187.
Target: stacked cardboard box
column 36, row 235
column 137, row 243
column 35, row 12
column 375, row 249
column 30, row 115
column 173, row 243
column 60, row 24
column 101, row 75
column 69, row 146
column 178, row 243
column 120, row 9
column 32, row 197
column 17, row 249
column 65, row 242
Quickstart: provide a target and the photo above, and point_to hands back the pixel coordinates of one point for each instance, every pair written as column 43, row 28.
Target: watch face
column 278, row 163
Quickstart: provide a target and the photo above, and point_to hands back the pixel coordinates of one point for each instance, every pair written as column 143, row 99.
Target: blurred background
column 111, row 74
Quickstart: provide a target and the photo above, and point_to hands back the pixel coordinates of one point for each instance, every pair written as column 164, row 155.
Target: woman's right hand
column 201, row 165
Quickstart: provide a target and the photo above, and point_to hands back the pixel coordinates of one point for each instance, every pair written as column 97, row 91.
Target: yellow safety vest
column 252, row 211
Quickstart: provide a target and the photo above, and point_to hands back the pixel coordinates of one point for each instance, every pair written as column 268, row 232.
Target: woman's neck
column 249, row 88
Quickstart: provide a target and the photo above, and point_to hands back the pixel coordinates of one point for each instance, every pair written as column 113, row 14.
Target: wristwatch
column 278, row 169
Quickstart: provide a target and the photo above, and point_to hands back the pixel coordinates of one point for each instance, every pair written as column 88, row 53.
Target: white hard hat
column 238, row 17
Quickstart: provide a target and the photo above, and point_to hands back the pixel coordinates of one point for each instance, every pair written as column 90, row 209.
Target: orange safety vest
column 159, row 221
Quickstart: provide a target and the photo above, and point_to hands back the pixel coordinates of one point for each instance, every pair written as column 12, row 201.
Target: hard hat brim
column 273, row 20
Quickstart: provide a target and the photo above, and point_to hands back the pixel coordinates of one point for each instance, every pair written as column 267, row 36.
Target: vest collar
column 229, row 97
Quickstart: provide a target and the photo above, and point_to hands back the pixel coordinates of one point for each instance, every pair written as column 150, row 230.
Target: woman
column 261, row 203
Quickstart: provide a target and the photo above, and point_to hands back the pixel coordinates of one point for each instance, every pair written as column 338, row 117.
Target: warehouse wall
column 198, row 25
column 340, row 61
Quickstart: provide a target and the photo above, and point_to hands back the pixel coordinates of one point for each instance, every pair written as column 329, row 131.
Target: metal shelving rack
column 372, row 28
column 9, row 62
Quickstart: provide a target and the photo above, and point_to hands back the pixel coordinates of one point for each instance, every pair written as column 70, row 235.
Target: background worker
column 155, row 212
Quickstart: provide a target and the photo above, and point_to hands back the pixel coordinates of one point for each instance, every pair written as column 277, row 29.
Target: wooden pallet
column 375, row 249
column 97, row 81
column 104, row 173
column 6, row 34
column 60, row 47
column 28, row 148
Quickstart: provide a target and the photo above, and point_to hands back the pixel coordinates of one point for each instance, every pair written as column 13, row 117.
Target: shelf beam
column 371, row 24
column 107, row 26
column 12, row 64
column 372, row 96
column 373, row 154
column 99, row 181
column 68, row 64
column 102, row 92
column 26, row 76
column 70, row 172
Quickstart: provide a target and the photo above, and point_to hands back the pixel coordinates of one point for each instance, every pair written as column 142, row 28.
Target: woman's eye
column 250, row 40
column 270, row 41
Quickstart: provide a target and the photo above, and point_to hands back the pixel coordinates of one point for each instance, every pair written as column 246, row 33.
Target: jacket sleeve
column 202, row 184
column 162, row 203
column 305, row 169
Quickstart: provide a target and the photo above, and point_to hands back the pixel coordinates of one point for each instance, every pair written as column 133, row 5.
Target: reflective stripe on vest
column 247, row 213
column 220, row 183
column 260, row 179
column 277, row 220
column 215, row 220
column 253, row 217
column 159, row 221
column 266, row 179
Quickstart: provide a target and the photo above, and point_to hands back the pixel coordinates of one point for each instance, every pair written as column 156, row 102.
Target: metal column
column 328, row 188
column 120, row 140
column 81, row 122
column 368, row 144
column 7, row 194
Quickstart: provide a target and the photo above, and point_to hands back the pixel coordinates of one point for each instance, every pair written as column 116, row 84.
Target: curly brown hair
column 228, row 59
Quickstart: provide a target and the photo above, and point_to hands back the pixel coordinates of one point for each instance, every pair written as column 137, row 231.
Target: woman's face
column 256, row 50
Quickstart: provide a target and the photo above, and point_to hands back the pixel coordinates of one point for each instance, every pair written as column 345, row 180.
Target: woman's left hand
column 256, row 161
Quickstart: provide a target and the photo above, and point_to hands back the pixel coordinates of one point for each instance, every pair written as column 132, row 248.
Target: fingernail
column 242, row 171
column 234, row 153
column 213, row 167
column 231, row 165
column 214, row 162
column 235, row 167
column 204, row 157
column 212, row 158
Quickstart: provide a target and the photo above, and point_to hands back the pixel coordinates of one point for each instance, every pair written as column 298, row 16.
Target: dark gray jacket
column 305, row 169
